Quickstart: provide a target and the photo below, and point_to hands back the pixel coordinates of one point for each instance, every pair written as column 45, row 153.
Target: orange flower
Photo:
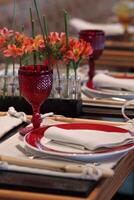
column 74, row 51
column 2, row 41
column 54, row 38
column 6, row 33
column 86, row 49
column 53, row 49
column 13, row 51
column 19, row 37
column 38, row 42
column 27, row 45
column 63, row 47
column 78, row 49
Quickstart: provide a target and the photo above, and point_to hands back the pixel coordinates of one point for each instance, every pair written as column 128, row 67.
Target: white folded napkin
column 86, row 139
column 105, row 81
column 11, row 120
column 109, row 29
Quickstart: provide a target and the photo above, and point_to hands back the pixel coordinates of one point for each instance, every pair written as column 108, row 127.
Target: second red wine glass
column 97, row 39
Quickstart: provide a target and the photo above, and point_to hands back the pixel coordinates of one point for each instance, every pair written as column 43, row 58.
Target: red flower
column 48, row 50
column 38, row 42
column 78, row 49
column 13, row 51
column 5, row 33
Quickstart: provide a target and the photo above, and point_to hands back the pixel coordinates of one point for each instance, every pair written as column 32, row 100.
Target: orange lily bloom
column 2, row 41
column 54, row 38
column 86, row 49
column 78, row 49
column 19, row 37
column 38, row 42
column 13, row 51
column 6, row 33
column 27, row 45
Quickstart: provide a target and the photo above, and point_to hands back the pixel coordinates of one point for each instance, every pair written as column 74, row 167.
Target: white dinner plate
column 33, row 144
column 89, row 91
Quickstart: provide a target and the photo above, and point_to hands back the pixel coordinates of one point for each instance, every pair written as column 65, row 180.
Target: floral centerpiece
column 49, row 49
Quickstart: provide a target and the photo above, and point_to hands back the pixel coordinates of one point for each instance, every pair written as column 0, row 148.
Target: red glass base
column 24, row 131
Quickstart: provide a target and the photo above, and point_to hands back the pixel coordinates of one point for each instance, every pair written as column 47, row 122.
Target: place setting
column 74, row 140
column 18, row 153
column 60, row 156
column 106, row 86
column 103, row 88
column 108, row 91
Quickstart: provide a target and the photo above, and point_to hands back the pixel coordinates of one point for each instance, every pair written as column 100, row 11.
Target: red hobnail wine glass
column 35, row 83
column 97, row 40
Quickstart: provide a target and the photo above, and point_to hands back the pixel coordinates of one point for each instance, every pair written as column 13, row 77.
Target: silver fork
column 25, row 152
column 31, row 156
column 85, row 166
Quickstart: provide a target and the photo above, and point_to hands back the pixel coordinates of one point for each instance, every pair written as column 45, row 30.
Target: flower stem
column 20, row 61
column 45, row 26
column 14, row 15
column 66, row 26
column 47, row 43
column 67, row 44
column 33, row 35
column 59, row 80
column 22, row 28
column 39, row 19
column 67, row 77
column 13, row 66
column 5, row 80
column 13, row 84
column 38, row 16
column 75, row 84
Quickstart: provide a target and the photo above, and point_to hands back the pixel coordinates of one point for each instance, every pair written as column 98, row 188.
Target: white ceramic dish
column 33, row 144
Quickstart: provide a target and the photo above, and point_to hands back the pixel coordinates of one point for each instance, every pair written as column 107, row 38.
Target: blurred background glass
column 124, row 10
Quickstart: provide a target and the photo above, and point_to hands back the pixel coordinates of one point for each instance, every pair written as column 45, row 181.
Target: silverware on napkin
column 54, row 165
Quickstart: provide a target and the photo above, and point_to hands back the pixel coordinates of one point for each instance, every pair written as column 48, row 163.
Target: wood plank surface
column 77, row 120
column 113, row 53
column 114, row 44
column 123, row 59
column 80, row 120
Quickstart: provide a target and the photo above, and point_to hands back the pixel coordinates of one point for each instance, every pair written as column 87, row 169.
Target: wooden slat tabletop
column 116, row 58
column 114, row 44
column 118, row 53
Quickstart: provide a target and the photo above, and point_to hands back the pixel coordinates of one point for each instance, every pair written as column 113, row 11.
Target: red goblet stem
column 91, row 68
column 36, row 118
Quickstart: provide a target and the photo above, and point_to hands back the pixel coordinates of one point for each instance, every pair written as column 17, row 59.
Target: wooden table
column 104, row 190
column 117, row 55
